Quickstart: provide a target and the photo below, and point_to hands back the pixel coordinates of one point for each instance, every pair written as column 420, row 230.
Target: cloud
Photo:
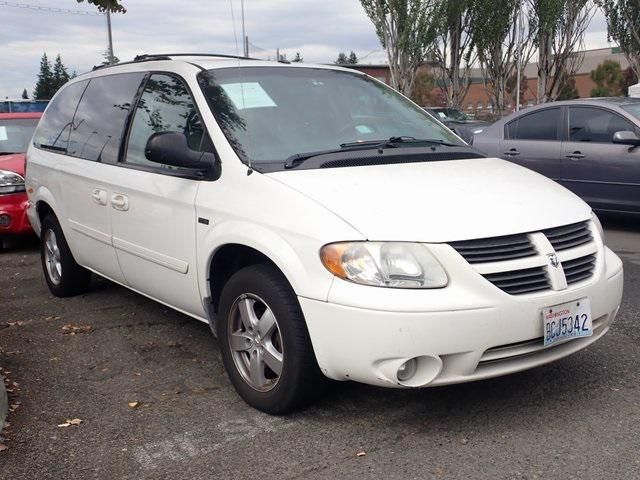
column 318, row 30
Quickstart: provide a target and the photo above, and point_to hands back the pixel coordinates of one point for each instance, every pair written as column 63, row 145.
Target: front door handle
column 120, row 202
column 99, row 196
column 512, row 152
column 575, row 155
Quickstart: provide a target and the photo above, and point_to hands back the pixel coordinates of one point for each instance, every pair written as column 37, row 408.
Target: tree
column 623, row 26
column 114, row 6
column 344, row 59
column 44, row 87
column 423, row 90
column 454, row 50
column 25, row 95
column 629, row 78
column 298, row 58
column 407, row 30
column 501, row 45
column 60, row 74
column 569, row 90
column 608, row 78
column 560, row 25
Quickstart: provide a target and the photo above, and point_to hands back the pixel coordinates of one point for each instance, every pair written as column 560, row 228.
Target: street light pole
column 110, row 38
column 245, row 43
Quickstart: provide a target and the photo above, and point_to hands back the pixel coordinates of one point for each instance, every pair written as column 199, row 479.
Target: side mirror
column 171, row 148
column 626, row 138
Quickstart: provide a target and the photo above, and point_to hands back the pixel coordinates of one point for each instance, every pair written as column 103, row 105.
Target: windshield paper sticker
column 248, row 95
column 3, row 134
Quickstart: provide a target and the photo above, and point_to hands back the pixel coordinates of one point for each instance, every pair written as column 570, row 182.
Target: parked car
column 589, row 145
column 16, row 130
column 320, row 222
column 457, row 121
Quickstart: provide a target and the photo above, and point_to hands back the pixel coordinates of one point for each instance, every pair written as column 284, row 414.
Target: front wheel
column 64, row 276
column 264, row 341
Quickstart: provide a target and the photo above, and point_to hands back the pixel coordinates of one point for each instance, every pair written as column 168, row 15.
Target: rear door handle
column 120, row 202
column 575, row 155
column 512, row 152
column 99, row 196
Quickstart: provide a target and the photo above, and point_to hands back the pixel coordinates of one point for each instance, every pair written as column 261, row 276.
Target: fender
column 306, row 275
column 41, row 194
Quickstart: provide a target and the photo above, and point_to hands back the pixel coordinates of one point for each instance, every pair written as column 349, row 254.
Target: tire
column 64, row 276
column 256, row 289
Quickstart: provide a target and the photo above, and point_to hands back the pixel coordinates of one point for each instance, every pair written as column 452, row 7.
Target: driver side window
column 165, row 106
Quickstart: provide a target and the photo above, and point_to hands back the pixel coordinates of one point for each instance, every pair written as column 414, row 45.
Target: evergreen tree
column 60, row 74
column 25, row 95
column 44, row 87
column 353, row 58
column 342, row 59
column 298, row 58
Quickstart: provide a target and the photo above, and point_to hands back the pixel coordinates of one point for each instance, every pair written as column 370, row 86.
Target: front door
column 153, row 209
column 604, row 174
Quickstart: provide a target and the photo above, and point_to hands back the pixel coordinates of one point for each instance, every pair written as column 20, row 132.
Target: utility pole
column 110, row 37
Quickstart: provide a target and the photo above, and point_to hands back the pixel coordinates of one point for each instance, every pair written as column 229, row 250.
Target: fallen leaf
column 361, row 453
column 72, row 329
column 133, row 404
column 18, row 323
column 3, row 447
column 68, row 423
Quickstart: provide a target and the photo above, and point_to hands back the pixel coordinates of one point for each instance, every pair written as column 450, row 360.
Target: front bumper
column 13, row 214
column 458, row 334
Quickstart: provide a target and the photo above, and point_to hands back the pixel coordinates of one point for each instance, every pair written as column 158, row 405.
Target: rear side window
column 541, row 125
column 596, row 125
column 53, row 130
column 99, row 123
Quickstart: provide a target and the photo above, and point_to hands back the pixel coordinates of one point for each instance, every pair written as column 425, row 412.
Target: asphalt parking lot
column 148, row 385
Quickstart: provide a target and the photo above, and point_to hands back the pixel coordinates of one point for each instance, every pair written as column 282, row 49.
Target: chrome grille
column 520, row 281
column 495, row 249
column 525, row 263
column 579, row 268
column 569, row 236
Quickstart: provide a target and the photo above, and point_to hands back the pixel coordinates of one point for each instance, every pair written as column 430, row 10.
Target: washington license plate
column 568, row 320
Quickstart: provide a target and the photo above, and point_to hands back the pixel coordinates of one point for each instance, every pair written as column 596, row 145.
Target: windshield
column 451, row 114
column 633, row 109
column 271, row 113
column 15, row 135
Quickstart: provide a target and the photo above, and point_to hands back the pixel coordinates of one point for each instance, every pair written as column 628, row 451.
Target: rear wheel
column 64, row 276
column 264, row 341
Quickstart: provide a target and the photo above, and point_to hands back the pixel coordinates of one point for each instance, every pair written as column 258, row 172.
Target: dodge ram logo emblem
column 553, row 260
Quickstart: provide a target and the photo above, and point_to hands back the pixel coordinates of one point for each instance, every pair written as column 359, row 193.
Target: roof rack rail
column 167, row 56
column 148, row 57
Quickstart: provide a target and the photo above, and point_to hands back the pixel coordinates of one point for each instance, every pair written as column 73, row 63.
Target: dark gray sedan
column 591, row 146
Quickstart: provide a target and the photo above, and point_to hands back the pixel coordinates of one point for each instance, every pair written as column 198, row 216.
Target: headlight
column 10, row 182
column 384, row 264
column 596, row 220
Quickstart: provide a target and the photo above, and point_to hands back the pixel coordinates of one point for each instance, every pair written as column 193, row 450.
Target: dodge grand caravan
column 321, row 223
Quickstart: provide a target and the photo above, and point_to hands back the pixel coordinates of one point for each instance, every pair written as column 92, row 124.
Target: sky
column 319, row 30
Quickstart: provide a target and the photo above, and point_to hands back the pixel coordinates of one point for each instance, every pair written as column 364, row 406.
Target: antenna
column 235, row 36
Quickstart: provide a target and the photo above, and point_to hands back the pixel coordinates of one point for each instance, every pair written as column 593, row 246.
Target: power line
column 49, row 9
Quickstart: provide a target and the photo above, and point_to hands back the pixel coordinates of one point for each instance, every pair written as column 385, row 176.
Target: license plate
column 569, row 320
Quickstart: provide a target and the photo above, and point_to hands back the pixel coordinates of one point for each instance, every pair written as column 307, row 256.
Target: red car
column 16, row 130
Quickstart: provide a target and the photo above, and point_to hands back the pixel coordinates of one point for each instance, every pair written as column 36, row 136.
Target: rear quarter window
column 54, row 128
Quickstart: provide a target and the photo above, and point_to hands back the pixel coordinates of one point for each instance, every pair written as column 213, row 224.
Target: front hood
column 439, row 201
column 13, row 163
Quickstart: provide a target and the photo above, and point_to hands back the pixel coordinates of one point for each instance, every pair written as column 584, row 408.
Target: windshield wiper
column 380, row 145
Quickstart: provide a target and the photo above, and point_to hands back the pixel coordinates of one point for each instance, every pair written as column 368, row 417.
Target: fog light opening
column 5, row 220
column 407, row 370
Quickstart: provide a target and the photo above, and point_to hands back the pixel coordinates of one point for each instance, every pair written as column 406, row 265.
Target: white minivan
column 320, row 222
